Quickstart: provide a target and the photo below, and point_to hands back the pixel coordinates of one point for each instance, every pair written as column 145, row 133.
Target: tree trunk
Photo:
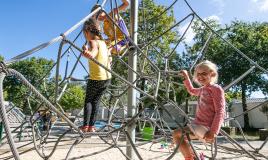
column 244, row 105
column 140, row 105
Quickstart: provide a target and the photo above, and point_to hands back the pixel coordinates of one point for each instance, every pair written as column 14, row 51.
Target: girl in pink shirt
column 210, row 108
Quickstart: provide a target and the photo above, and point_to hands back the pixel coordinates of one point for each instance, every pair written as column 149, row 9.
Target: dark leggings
column 95, row 89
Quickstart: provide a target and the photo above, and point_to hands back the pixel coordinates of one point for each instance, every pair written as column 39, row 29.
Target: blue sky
column 28, row 23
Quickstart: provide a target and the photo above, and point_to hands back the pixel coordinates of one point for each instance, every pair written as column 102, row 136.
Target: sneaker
column 91, row 129
column 84, row 128
column 202, row 156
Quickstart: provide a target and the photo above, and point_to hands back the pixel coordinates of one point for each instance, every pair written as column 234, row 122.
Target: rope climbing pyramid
column 49, row 128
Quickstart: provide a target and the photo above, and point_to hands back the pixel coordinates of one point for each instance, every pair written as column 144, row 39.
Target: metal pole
column 132, row 61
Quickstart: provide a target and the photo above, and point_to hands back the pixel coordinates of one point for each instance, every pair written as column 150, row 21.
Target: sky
column 28, row 23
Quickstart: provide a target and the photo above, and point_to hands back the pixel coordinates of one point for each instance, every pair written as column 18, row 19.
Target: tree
column 34, row 69
column 229, row 96
column 264, row 109
column 153, row 21
column 151, row 25
column 251, row 39
column 5, row 93
column 73, row 97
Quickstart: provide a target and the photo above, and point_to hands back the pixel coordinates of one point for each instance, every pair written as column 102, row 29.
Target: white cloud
column 214, row 17
column 262, row 5
column 190, row 33
column 220, row 6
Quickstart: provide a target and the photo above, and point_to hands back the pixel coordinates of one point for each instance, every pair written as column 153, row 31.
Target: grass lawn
column 251, row 134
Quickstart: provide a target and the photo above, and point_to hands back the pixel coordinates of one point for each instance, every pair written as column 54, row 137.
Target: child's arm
column 188, row 84
column 93, row 51
column 124, row 5
column 219, row 106
column 210, row 136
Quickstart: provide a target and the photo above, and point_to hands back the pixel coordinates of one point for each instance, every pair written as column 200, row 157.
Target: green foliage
column 33, row 69
column 229, row 96
column 153, row 21
column 152, row 25
column 73, row 97
column 37, row 72
column 5, row 92
column 252, row 40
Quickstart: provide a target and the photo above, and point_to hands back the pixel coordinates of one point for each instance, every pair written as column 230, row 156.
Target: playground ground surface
column 95, row 149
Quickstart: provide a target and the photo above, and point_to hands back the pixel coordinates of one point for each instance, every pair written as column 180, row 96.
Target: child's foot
column 84, row 128
column 87, row 129
column 172, row 146
column 91, row 129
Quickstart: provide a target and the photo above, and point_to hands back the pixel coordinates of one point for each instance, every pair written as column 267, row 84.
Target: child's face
column 204, row 75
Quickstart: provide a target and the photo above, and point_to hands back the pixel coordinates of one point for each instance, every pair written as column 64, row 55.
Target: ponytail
column 92, row 26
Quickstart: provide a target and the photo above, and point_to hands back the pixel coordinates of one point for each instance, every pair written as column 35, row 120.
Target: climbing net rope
column 151, row 80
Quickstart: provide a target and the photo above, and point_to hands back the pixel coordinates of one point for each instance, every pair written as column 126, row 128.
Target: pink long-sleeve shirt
column 211, row 105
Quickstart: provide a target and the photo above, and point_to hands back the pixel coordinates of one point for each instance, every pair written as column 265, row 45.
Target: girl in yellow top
column 99, row 78
column 118, row 42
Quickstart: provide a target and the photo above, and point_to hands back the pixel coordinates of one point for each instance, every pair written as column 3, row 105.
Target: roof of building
column 251, row 100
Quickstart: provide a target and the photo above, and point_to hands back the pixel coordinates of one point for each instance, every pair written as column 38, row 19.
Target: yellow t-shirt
column 103, row 57
column 108, row 29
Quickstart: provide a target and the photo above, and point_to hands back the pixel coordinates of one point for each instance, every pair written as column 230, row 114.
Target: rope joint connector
column 63, row 36
column 3, row 67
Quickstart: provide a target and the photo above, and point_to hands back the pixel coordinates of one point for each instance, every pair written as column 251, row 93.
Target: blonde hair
column 212, row 68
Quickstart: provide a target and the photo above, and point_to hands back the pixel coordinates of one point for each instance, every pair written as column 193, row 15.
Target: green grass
column 251, row 134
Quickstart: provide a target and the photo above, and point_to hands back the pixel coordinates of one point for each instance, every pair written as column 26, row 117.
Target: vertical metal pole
column 132, row 61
